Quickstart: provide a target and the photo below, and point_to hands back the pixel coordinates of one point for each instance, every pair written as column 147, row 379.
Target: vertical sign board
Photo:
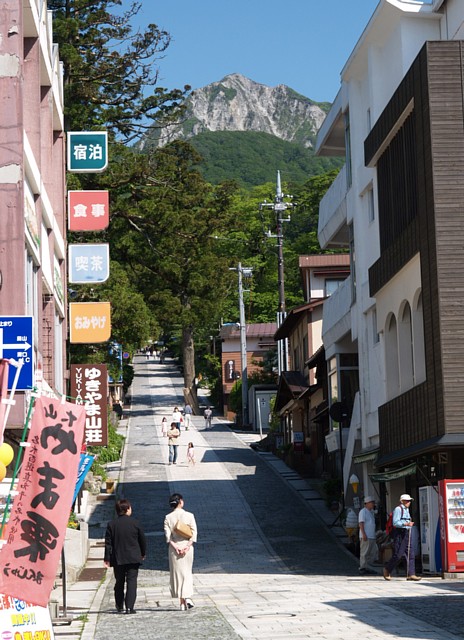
column 89, row 387
column 16, row 342
column 88, row 263
column 87, row 151
column 89, row 322
column 88, row 210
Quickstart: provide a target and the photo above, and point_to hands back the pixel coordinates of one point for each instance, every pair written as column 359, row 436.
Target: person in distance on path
column 402, row 547
column 125, row 549
column 208, row 414
column 173, row 441
column 367, row 540
column 180, row 551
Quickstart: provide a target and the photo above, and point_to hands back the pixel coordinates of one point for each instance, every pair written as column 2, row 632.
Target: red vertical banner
column 89, row 387
column 36, row 528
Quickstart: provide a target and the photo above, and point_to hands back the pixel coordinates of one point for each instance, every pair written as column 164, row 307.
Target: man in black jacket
column 125, row 548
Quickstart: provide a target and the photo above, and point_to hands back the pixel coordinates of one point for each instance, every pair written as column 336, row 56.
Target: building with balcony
column 301, row 401
column 32, row 190
column 397, row 119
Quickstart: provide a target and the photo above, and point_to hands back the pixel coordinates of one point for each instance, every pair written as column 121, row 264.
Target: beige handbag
column 183, row 530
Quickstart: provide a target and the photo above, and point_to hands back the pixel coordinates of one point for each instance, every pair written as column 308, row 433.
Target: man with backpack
column 402, row 547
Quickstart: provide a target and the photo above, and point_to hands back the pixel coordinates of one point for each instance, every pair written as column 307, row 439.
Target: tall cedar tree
column 110, row 70
column 169, row 241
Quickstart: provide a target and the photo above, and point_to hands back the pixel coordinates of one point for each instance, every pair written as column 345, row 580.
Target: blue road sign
column 16, row 342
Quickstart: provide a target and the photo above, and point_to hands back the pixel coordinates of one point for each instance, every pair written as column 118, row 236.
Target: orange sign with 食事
column 89, row 322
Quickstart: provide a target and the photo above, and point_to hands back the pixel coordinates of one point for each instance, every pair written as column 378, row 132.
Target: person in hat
column 368, row 551
column 402, row 547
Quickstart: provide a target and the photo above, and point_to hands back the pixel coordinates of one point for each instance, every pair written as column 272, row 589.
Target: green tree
column 168, row 242
column 110, row 68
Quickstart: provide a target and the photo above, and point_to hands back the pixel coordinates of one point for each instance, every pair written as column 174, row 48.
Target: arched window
column 420, row 374
column 391, row 358
column 405, row 349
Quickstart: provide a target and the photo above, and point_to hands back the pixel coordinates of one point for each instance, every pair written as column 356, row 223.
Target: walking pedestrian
column 173, row 435
column 368, row 550
column 125, row 549
column 164, row 426
column 191, row 454
column 402, row 548
column 188, row 411
column 180, row 551
column 177, row 417
column 208, row 415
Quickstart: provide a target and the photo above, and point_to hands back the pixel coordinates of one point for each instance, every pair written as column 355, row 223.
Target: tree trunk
column 188, row 352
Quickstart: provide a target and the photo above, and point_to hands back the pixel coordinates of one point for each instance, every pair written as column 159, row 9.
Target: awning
column 386, row 476
column 366, row 455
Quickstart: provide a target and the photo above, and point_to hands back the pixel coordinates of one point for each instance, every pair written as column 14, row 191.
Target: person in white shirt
column 368, row 544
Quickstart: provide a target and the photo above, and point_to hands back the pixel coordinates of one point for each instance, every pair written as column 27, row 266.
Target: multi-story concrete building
column 32, row 188
column 398, row 205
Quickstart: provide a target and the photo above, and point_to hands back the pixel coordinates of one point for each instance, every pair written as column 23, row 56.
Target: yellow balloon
column 6, row 453
column 2, row 471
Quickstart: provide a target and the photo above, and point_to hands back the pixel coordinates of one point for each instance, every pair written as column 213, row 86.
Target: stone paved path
column 265, row 566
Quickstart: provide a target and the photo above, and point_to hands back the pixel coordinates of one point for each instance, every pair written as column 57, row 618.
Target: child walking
column 191, row 454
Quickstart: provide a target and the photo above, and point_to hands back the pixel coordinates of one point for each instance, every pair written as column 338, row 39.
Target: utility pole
column 243, row 272
column 280, row 206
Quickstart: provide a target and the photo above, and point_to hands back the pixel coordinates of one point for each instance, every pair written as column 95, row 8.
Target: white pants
column 368, row 552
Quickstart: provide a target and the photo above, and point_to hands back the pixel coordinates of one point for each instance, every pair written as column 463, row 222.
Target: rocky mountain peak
column 237, row 103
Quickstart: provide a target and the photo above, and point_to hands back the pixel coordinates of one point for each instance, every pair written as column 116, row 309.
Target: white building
column 398, row 205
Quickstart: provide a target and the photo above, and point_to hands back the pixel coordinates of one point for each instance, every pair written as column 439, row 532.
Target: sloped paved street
column 265, row 564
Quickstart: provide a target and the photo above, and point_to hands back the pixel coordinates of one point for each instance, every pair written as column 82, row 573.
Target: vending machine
column 430, row 529
column 451, row 505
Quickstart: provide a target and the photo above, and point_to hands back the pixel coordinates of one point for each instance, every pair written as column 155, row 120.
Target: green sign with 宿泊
column 87, row 151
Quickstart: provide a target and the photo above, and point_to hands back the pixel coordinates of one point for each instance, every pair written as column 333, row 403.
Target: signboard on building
column 88, row 263
column 88, row 210
column 87, row 151
column 16, row 342
column 89, row 322
column 89, row 387
column 20, row 620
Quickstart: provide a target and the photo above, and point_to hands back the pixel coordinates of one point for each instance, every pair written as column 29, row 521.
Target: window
column 32, row 297
column 375, row 334
column 331, row 285
column 352, row 264
column 348, row 150
column 370, row 205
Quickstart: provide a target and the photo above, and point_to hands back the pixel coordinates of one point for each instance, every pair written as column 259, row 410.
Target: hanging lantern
column 2, row 471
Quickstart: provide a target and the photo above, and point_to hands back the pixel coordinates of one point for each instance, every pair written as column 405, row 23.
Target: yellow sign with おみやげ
column 89, row 322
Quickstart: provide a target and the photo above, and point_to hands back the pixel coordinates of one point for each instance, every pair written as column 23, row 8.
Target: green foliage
column 110, row 68
column 252, row 158
column 110, row 453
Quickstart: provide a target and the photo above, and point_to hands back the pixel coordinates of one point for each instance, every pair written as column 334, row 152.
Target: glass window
column 331, row 285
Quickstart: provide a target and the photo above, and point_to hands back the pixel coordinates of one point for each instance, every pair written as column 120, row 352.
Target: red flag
column 36, row 528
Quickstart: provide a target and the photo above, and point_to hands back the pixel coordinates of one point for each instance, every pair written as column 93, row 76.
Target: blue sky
column 301, row 43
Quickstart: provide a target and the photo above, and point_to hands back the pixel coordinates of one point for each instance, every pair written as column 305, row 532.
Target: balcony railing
column 333, row 230
column 336, row 317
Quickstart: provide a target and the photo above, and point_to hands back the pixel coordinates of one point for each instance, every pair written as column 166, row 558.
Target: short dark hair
column 174, row 500
column 174, row 424
column 122, row 506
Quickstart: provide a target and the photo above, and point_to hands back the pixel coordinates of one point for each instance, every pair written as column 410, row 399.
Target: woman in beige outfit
column 180, row 551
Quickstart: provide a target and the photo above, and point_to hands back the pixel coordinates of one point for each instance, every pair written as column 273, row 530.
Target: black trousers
column 125, row 576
